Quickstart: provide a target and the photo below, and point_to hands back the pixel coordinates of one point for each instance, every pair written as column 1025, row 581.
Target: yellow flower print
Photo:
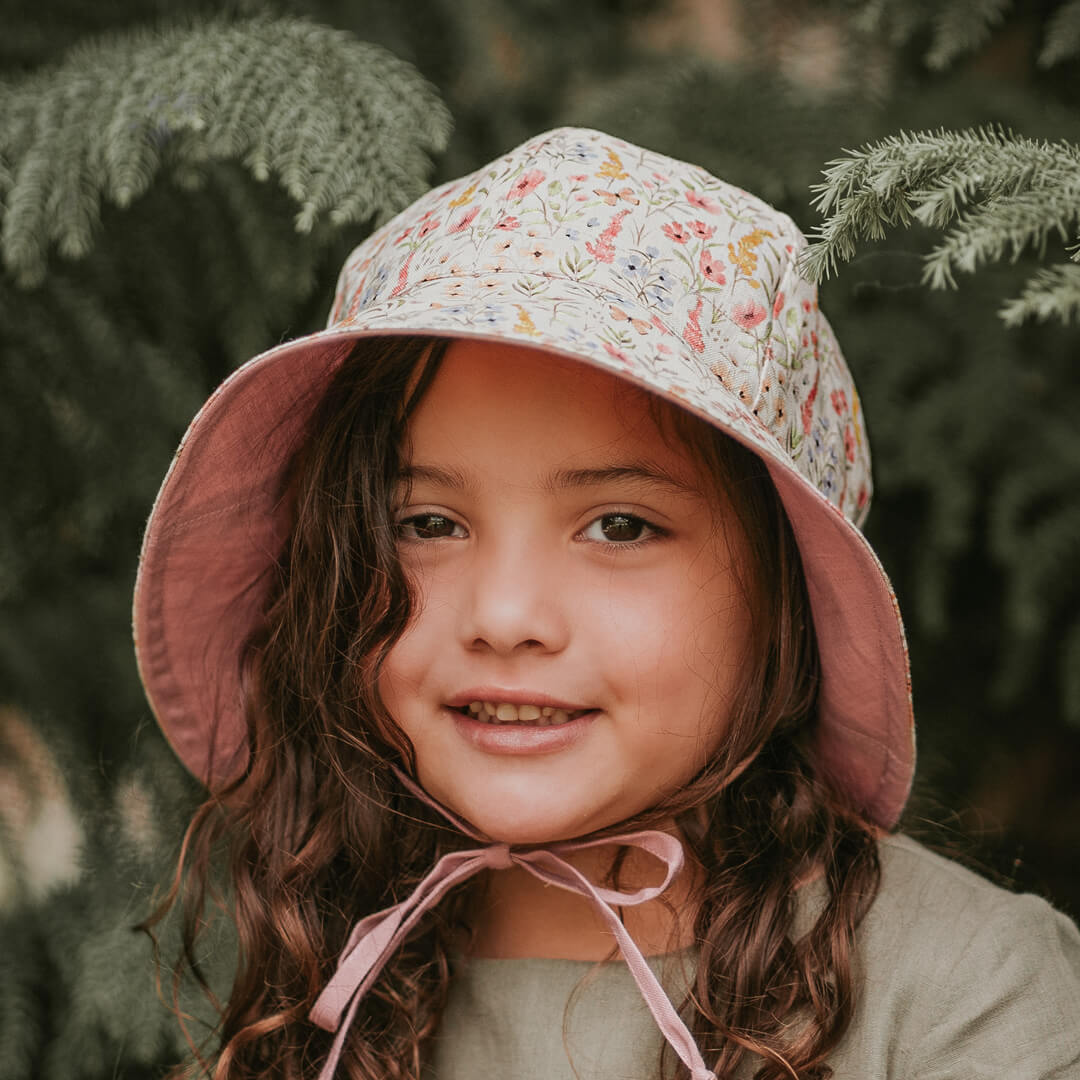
column 464, row 197
column 613, row 167
column 744, row 257
column 525, row 325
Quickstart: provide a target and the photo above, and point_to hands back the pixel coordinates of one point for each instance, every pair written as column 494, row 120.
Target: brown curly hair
column 318, row 832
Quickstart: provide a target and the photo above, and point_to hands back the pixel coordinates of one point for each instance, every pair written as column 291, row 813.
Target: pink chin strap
column 374, row 939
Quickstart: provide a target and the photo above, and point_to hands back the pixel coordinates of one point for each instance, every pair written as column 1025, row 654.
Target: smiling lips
column 504, row 712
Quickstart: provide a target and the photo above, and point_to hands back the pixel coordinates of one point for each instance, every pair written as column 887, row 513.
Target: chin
column 524, row 824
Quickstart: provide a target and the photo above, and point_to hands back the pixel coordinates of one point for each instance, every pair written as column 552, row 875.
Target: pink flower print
column 701, row 230
column 808, row 407
column 659, row 325
column 839, row 402
column 617, row 354
column 702, row 202
column 863, row 498
column 849, row 444
column 527, row 182
column 778, row 305
column 509, row 222
column 403, row 277
column 604, row 249
column 712, row 270
column 580, row 178
column 692, row 332
column 464, row 221
column 427, row 226
column 404, row 235
column 676, row 232
column 748, row 314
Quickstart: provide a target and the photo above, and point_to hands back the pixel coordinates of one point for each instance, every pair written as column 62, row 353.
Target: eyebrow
column 636, row 472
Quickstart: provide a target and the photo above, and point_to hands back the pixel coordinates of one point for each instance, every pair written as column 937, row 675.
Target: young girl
column 554, row 711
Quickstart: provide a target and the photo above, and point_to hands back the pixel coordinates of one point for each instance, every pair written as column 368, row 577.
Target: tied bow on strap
column 374, row 939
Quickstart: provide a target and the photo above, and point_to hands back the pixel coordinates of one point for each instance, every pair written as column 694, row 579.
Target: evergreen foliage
column 344, row 126
column 79, row 998
column 1004, row 192
column 954, row 29
column 1062, row 35
column 1000, row 196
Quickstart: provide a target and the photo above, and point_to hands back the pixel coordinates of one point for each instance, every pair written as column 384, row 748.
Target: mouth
column 505, row 713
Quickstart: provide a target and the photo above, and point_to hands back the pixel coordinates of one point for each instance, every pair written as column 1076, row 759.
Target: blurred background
column 179, row 185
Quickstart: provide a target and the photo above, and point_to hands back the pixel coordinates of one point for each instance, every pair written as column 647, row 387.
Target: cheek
column 402, row 675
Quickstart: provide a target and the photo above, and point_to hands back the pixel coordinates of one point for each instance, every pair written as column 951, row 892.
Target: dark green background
column 976, row 515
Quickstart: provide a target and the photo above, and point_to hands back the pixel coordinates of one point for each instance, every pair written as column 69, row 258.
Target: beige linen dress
column 960, row 980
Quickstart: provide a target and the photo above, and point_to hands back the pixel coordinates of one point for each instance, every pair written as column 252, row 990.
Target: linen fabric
column 610, row 254
column 959, row 980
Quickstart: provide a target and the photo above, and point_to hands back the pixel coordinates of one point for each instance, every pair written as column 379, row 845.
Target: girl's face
column 566, row 560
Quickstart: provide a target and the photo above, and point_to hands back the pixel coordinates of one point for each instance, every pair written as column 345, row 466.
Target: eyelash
column 655, row 532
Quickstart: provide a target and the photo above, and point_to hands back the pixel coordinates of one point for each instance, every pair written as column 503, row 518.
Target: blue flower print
column 582, row 152
column 658, row 296
column 373, row 286
column 634, row 266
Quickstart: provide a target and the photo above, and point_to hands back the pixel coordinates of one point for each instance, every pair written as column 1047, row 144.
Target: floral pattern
column 638, row 263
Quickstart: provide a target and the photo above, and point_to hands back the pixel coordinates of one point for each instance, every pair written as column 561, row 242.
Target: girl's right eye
column 430, row 527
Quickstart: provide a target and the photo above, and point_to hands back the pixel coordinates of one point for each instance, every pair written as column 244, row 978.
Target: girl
column 554, row 711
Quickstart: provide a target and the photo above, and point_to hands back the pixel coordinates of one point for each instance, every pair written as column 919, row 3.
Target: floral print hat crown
column 613, row 255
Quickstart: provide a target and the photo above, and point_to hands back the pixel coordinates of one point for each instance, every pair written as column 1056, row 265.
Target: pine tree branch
column 962, row 28
column 1062, row 38
column 344, row 126
column 1053, row 293
column 1002, row 226
column 956, row 28
column 1004, row 193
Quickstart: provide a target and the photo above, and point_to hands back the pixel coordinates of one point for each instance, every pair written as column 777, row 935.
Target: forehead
column 502, row 400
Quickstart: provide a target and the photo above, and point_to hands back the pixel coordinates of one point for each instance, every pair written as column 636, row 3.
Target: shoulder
column 969, row 979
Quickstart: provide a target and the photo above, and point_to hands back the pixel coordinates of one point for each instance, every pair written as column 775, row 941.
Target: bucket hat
column 607, row 253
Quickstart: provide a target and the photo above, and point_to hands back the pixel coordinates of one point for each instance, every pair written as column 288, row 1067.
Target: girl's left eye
column 620, row 530
column 430, row 527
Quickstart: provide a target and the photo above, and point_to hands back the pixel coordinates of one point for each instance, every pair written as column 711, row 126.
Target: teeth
column 502, row 712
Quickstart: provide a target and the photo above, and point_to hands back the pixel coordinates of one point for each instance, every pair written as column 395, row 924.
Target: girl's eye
column 430, row 527
column 620, row 529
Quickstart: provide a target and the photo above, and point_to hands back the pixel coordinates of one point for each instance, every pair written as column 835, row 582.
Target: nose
column 514, row 599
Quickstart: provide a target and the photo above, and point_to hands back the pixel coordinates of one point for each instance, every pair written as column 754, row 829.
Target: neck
column 517, row 915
